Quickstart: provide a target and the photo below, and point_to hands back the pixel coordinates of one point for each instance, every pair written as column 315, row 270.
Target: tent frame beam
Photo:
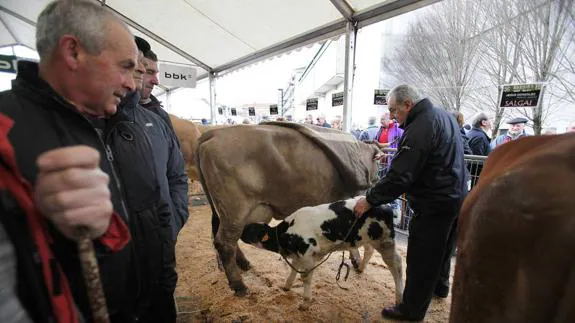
column 17, row 16
column 344, row 8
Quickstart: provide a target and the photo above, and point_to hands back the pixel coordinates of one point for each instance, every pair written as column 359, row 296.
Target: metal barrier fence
column 402, row 211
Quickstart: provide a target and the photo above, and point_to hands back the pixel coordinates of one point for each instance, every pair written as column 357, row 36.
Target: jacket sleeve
column 405, row 166
column 178, row 182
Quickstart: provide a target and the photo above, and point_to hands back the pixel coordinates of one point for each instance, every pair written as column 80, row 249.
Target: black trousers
column 427, row 254
column 443, row 279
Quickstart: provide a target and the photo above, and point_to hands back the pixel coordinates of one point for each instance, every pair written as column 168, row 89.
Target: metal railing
column 402, row 211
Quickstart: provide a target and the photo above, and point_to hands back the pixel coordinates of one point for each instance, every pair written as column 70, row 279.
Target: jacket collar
column 130, row 101
column 29, row 80
column 420, row 107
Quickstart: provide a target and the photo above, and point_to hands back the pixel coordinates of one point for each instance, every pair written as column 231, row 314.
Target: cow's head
column 370, row 154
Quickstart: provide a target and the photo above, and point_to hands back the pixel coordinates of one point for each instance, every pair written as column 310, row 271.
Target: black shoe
column 395, row 314
column 441, row 291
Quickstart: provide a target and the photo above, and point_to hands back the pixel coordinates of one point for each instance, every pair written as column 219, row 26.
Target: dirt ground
column 203, row 294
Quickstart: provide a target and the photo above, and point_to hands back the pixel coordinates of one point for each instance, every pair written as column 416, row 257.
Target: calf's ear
column 265, row 238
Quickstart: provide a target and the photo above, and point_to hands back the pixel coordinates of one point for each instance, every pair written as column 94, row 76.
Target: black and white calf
column 310, row 233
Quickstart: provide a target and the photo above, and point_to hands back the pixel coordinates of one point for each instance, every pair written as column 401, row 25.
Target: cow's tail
column 215, row 218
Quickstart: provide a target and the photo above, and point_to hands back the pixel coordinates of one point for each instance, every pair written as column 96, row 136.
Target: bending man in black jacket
column 428, row 167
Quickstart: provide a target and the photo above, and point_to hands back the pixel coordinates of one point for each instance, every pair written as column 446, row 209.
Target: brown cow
column 516, row 256
column 188, row 134
column 253, row 173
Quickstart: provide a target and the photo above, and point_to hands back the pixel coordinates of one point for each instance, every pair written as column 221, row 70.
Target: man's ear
column 71, row 51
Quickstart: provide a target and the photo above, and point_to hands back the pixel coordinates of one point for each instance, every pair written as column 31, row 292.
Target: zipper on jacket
column 110, row 158
column 109, row 154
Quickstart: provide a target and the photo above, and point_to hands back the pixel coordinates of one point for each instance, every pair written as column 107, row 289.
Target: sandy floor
column 203, row 294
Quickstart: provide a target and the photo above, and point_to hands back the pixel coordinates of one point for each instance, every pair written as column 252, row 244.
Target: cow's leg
column 355, row 258
column 367, row 253
column 307, row 277
column 226, row 245
column 393, row 261
column 241, row 259
column 290, row 280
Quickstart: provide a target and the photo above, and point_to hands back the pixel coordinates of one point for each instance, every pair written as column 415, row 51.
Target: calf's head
column 257, row 234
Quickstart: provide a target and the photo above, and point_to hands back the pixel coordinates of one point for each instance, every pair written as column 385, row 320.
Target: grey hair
column 404, row 92
column 371, row 121
column 478, row 119
column 83, row 19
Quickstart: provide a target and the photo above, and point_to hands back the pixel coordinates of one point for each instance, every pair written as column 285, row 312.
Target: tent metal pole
column 349, row 72
column 213, row 107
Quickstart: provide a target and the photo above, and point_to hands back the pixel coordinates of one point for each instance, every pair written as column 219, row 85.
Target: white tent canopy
column 219, row 35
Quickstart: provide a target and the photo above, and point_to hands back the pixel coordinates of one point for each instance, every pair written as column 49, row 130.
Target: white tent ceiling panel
column 23, row 33
column 165, row 54
column 6, row 37
column 359, row 5
column 184, row 27
column 260, row 24
column 29, row 9
column 224, row 34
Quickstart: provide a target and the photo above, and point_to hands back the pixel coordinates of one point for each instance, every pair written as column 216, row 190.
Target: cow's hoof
column 241, row 293
column 355, row 264
column 239, row 289
column 305, row 305
column 244, row 265
column 285, row 288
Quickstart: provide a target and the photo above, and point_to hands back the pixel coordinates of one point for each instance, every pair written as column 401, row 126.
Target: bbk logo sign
column 8, row 64
column 177, row 75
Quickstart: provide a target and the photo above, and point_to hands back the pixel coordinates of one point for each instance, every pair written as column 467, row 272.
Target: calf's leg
column 307, row 278
column 355, row 258
column 367, row 253
column 393, row 261
column 290, row 280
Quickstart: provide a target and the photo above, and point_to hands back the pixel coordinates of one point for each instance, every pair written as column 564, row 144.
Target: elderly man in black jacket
column 429, row 166
column 478, row 138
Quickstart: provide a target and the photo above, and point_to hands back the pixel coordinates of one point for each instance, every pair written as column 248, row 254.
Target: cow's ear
column 265, row 238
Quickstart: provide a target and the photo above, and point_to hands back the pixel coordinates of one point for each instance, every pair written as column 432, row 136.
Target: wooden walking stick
column 91, row 273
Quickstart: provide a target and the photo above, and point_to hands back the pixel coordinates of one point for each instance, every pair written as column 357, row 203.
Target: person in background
column 308, row 119
column 460, row 120
column 171, row 162
column 478, row 138
column 516, row 131
column 147, row 100
column 336, row 123
column 155, row 184
column 430, row 168
column 479, row 144
column 571, row 127
column 370, row 132
column 321, row 121
column 389, row 132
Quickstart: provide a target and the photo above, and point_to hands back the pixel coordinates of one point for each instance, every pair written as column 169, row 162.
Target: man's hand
column 71, row 190
column 361, row 207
